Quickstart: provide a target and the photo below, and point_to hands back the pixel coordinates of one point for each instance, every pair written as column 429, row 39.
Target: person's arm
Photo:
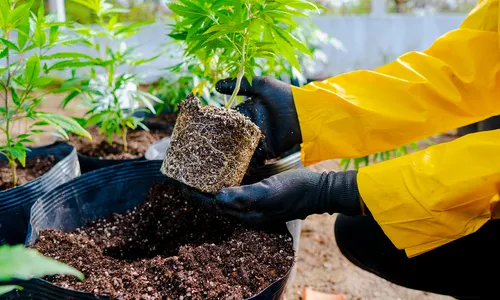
column 429, row 198
column 453, row 83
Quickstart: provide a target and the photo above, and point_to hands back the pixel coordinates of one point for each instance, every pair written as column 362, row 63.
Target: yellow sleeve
column 453, row 83
column 432, row 197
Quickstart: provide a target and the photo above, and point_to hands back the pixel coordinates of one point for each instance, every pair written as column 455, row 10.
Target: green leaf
column 9, row 44
column 33, row 68
column 23, row 31
column 41, row 12
column 19, row 154
column 293, row 41
column 41, row 82
column 62, row 55
column 4, row 289
column 22, row 263
column 63, row 124
column 184, row 11
column 287, row 51
column 53, row 34
column 93, row 5
column 19, row 13
column 4, row 12
column 15, row 97
column 71, row 64
column 305, row 5
column 4, row 52
column 70, row 97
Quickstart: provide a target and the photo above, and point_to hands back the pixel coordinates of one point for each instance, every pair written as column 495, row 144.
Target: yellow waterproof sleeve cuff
column 432, row 197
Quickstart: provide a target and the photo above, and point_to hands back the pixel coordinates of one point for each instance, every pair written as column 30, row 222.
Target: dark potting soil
column 211, row 147
column 35, row 167
column 169, row 248
column 138, row 143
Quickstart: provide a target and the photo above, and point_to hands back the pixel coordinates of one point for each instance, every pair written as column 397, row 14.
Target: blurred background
column 366, row 33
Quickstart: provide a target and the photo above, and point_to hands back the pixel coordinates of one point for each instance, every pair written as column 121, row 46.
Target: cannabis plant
column 17, row 262
column 25, row 41
column 381, row 156
column 110, row 87
column 233, row 38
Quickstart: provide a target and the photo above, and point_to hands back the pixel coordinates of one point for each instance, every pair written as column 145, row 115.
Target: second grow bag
column 96, row 195
column 88, row 163
column 15, row 203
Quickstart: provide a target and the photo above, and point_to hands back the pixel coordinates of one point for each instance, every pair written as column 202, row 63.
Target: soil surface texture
column 138, row 143
column 211, row 147
column 169, row 248
column 35, row 167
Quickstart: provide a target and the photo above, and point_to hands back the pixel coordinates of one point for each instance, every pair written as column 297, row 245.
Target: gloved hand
column 270, row 106
column 288, row 196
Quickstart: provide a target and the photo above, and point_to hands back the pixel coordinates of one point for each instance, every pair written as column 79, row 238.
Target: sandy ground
column 320, row 264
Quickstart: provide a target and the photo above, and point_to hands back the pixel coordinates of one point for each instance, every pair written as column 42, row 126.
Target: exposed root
column 211, row 147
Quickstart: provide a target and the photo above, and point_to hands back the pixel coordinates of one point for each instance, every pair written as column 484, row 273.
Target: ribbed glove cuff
column 339, row 194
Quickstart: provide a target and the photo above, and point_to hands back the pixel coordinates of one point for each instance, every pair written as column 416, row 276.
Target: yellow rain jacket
column 432, row 197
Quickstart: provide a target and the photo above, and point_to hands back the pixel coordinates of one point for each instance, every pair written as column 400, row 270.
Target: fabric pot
column 92, row 196
column 291, row 160
column 89, row 164
column 15, row 203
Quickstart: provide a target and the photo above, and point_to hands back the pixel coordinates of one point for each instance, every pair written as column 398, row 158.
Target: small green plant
column 111, row 87
column 25, row 40
column 234, row 38
column 381, row 156
column 20, row 263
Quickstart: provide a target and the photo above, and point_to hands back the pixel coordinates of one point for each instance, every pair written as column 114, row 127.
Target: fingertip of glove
column 225, row 85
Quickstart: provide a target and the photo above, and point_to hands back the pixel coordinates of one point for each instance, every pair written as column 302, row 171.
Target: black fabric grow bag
column 15, row 203
column 92, row 196
column 89, row 164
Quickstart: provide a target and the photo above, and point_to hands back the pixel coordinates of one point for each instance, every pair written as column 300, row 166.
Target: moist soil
column 138, row 143
column 35, row 167
column 211, row 147
column 169, row 248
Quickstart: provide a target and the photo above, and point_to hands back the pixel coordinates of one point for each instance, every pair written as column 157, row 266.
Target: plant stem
column 13, row 167
column 241, row 73
column 12, row 161
column 124, row 139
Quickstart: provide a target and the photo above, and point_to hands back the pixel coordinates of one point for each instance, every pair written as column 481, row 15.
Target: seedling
column 211, row 147
column 233, row 38
column 110, row 89
column 25, row 40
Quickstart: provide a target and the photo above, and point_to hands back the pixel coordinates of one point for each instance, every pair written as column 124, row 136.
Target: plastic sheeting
column 96, row 195
column 15, row 203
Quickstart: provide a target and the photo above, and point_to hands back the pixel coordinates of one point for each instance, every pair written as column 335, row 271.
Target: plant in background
column 381, row 156
column 232, row 38
column 25, row 40
column 19, row 263
column 110, row 89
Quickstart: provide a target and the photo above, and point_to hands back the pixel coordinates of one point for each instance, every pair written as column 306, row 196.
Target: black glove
column 288, row 196
column 270, row 106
